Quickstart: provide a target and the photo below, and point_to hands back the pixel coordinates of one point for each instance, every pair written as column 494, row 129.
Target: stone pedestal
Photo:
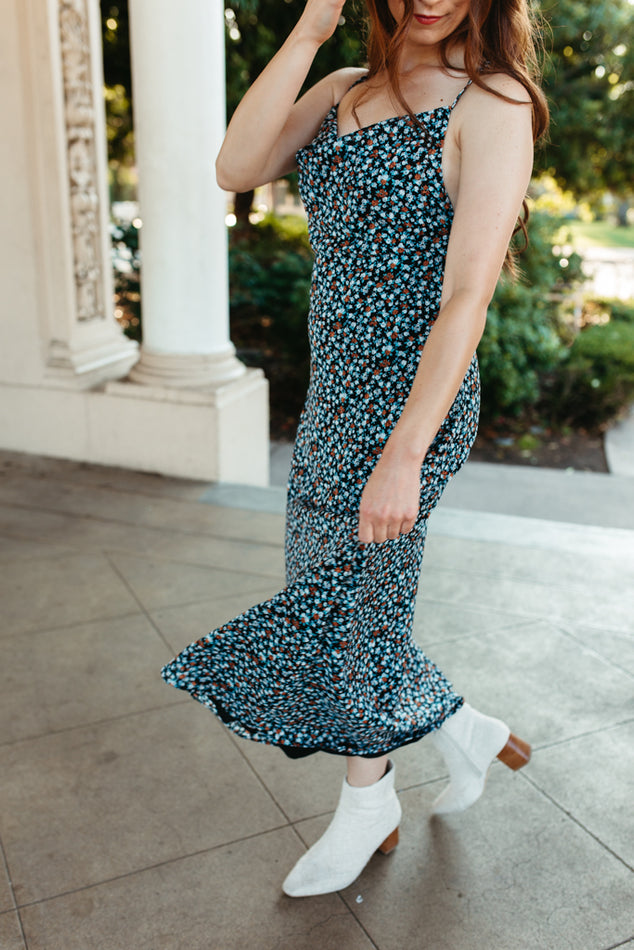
column 191, row 408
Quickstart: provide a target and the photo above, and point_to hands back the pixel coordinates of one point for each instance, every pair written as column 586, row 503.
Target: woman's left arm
column 496, row 147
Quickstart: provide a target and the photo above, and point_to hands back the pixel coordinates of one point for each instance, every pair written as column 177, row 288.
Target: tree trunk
column 621, row 213
column 242, row 207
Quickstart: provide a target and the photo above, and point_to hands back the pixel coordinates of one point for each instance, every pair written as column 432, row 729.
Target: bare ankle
column 362, row 771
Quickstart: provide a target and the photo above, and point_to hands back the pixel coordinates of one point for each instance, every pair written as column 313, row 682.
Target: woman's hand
column 319, row 20
column 390, row 499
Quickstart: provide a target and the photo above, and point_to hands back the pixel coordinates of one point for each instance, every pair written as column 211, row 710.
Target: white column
column 57, row 325
column 179, row 116
column 61, row 351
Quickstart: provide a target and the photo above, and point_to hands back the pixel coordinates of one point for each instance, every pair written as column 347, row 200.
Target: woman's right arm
column 268, row 127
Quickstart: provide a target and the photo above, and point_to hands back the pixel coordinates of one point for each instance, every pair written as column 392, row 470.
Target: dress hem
column 300, row 752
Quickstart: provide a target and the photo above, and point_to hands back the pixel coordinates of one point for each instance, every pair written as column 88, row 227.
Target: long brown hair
column 498, row 36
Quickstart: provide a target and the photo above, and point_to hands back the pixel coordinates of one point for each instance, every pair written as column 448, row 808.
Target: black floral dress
column 329, row 663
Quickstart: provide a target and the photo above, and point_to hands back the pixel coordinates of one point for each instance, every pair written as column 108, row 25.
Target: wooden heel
column 515, row 753
column 390, row 842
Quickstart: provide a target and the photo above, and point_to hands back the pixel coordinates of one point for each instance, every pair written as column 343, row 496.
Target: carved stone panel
column 82, row 158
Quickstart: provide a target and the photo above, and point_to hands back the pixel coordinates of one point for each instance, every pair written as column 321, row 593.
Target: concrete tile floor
column 131, row 819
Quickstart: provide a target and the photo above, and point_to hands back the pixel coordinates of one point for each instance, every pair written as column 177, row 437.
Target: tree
column 255, row 31
column 117, row 90
column 589, row 80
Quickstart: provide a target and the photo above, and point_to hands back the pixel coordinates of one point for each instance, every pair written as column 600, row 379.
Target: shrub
column 126, row 260
column 528, row 322
column 270, row 269
column 595, row 381
column 519, row 345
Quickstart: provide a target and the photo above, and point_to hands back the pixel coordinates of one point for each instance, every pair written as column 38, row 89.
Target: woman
column 413, row 173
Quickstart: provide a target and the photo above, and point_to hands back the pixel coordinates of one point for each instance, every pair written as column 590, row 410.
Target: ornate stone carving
column 82, row 158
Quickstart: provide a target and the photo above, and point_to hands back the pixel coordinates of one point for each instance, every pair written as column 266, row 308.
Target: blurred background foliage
column 549, row 356
column 589, row 80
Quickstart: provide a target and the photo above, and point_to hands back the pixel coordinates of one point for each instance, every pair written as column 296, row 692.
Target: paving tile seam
column 591, row 625
column 519, row 624
column 576, row 821
column 204, row 565
column 513, row 619
column 101, row 486
column 428, row 781
column 181, row 605
column 221, row 599
column 134, row 596
column 591, row 649
column 443, row 778
column 532, row 617
column 235, row 740
column 544, row 746
column 44, row 631
column 146, row 527
column 352, row 911
column 107, row 550
column 614, row 946
column 94, row 723
column 7, row 871
column 15, row 910
column 149, row 867
column 6, row 913
column 345, row 914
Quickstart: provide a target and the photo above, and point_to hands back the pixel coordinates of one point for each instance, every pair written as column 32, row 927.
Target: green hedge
column 270, row 268
column 595, row 380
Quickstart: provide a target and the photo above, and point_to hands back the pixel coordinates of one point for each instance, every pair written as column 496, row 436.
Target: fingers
column 406, row 526
column 392, row 531
column 375, row 532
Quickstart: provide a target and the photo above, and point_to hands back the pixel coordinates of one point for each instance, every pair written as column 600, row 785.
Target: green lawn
column 601, row 234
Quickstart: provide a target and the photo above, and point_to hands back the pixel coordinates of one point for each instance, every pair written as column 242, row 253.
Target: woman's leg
column 365, row 771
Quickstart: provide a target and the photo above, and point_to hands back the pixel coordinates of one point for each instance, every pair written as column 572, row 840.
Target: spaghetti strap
column 457, row 99
column 355, row 83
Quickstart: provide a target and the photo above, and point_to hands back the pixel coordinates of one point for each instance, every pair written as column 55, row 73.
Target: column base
column 90, row 365
column 220, row 435
column 187, row 370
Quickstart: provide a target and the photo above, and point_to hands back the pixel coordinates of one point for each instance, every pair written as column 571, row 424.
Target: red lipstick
column 427, row 20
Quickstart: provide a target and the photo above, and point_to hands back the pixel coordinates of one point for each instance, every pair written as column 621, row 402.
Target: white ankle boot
column 469, row 742
column 366, row 820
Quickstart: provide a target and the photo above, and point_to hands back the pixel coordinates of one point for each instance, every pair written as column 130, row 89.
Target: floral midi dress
column 329, row 663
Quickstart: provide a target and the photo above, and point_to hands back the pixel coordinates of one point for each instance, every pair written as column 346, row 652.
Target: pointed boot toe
column 366, row 820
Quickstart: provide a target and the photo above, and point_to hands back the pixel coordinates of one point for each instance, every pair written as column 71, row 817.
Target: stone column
column 179, row 116
column 200, row 413
column 58, row 254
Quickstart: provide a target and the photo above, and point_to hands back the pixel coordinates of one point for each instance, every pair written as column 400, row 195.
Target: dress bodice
column 378, row 189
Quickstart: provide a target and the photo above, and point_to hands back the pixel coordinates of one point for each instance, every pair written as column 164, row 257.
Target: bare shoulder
column 500, row 84
column 341, row 79
column 486, row 115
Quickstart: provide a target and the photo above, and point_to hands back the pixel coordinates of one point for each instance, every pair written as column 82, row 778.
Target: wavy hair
column 498, row 36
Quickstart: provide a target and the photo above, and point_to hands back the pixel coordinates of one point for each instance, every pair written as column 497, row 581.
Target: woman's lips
column 427, row 20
